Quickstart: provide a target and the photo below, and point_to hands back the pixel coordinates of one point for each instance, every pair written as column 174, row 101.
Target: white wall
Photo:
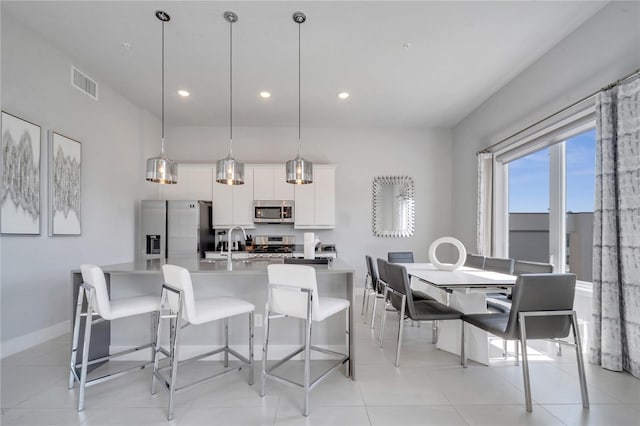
column 602, row 50
column 35, row 279
column 360, row 155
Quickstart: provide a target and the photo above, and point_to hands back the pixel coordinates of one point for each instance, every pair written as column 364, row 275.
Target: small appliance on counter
column 175, row 228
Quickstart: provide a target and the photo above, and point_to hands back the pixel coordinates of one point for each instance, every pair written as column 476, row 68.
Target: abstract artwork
column 20, row 196
column 65, row 162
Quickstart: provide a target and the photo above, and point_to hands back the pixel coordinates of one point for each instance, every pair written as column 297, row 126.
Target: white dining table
column 465, row 290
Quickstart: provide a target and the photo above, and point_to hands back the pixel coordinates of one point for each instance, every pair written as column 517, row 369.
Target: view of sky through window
column 529, row 178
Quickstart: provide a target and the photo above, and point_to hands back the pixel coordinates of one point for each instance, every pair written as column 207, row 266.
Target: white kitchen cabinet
column 194, row 183
column 315, row 206
column 233, row 205
column 269, row 183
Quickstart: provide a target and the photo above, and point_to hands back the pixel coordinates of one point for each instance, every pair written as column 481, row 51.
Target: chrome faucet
column 229, row 260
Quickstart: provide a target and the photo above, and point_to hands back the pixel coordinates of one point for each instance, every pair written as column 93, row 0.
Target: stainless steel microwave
column 273, row 211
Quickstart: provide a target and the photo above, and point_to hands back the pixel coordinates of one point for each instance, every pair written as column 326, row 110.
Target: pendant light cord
column 299, row 96
column 162, row 146
column 230, row 87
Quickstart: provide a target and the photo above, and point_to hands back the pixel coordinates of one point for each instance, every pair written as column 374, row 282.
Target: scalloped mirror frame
column 408, row 199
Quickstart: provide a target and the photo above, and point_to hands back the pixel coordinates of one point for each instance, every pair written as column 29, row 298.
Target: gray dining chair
column 542, row 308
column 400, row 294
column 400, row 257
column 474, row 261
column 499, row 264
column 372, row 289
column 383, row 283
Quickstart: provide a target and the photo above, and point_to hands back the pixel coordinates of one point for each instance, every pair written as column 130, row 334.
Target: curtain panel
column 484, row 221
column 615, row 344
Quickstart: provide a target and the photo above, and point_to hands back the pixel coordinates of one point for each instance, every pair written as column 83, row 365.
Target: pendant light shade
column 160, row 169
column 299, row 170
column 230, row 171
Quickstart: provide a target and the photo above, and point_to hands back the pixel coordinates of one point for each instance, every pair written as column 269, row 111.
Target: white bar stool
column 94, row 290
column 178, row 297
column 293, row 292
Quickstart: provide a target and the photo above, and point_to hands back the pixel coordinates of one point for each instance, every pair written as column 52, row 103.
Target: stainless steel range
column 274, row 245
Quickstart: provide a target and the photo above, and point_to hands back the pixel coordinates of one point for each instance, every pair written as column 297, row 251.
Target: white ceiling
column 461, row 53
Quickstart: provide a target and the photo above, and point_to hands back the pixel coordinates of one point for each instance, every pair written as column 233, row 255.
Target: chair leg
column 174, row 341
column 504, row 348
column 155, row 353
column 226, row 341
column 373, row 310
column 85, row 349
column 516, row 351
column 434, row 332
column 463, row 356
column 384, row 317
column 347, row 341
column 251, row 329
column 365, row 295
column 307, row 365
column 559, row 348
column 265, row 348
column 525, row 364
column 400, row 329
column 74, row 341
column 581, row 375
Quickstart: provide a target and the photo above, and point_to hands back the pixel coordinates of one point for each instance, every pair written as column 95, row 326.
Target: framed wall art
column 20, row 187
column 65, row 164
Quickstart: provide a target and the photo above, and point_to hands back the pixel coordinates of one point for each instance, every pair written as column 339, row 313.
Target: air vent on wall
column 84, row 83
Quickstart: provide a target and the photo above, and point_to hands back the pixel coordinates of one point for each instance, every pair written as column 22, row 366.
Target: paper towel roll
column 309, row 245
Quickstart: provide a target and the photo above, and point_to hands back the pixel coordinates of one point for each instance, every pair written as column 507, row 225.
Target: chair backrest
column 400, row 256
column 382, row 270
column 399, row 281
column 373, row 273
column 542, row 292
column 285, row 297
column 526, row 267
column 498, row 264
column 180, row 278
column 474, row 261
column 93, row 275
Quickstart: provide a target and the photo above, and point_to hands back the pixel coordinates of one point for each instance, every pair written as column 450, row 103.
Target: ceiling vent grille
column 84, row 83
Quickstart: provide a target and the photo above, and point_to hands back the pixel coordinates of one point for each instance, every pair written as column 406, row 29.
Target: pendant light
column 160, row 169
column 229, row 170
column 299, row 170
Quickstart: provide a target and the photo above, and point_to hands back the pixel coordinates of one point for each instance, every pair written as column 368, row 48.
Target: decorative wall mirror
column 393, row 206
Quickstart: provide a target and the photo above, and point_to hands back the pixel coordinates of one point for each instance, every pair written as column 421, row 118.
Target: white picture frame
column 65, row 196
column 20, row 182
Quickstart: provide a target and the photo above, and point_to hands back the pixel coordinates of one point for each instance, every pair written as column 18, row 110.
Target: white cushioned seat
column 133, row 306
column 217, row 308
column 330, row 306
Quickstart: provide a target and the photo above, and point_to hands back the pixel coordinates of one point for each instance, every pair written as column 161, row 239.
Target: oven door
column 268, row 214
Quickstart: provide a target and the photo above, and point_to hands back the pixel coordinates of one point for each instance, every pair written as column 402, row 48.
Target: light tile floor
column 429, row 388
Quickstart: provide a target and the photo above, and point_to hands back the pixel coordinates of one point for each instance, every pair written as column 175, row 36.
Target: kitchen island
column 247, row 280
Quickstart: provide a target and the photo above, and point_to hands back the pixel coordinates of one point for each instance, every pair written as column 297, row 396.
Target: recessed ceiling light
column 183, row 93
column 407, row 45
column 343, row 95
column 127, row 46
column 264, row 94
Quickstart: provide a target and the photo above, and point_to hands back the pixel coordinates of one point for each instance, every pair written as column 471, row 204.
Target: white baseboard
column 19, row 344
column 187, row 351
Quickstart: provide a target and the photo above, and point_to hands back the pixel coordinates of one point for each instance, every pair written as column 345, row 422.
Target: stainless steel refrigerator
column 175, row 228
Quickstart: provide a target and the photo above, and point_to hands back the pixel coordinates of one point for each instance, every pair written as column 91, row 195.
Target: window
column 551, row 191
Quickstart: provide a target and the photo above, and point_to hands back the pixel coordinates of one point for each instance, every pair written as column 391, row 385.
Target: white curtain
column 616, row 236
column 485, row 217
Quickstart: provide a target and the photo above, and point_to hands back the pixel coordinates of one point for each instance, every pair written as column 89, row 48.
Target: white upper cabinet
column 269, row 183
column 316, row 202
column 233, row 205
column 194, row 183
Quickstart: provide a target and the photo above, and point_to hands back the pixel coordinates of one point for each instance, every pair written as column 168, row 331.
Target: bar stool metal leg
column 251, row 332
column 174, row 350
column 85, row 348
column 307, row 358
column 226, row 342
column 74, row 341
